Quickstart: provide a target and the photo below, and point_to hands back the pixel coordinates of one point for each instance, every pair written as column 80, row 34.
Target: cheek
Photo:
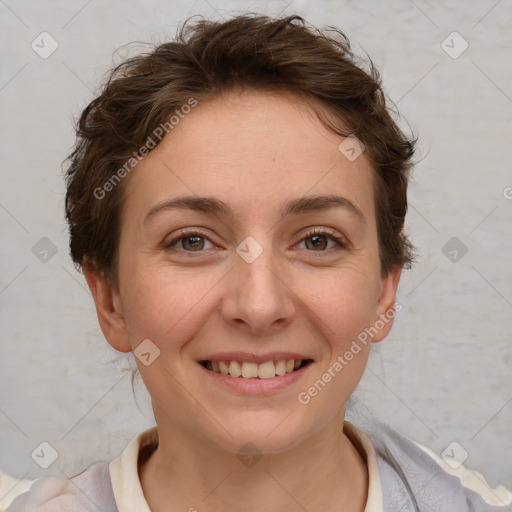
column 343, row 307
column 158, row 301
column 345, row 302
column 165, row 306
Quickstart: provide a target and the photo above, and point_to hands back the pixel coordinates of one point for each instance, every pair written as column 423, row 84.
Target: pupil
column 196, row 244
column 317, row 240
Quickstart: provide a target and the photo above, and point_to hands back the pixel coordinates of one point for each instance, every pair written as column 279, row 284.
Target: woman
column 236, row 200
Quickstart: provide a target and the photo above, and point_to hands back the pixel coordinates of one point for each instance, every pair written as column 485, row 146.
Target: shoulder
column 83, row 493
column 413, row 478
column 11, row 487
column 103, row 486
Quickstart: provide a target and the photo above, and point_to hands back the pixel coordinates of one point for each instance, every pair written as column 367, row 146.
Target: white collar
column 130, row 497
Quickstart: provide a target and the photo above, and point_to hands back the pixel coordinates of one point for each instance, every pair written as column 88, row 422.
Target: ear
column 108, row 308
column 386, row 304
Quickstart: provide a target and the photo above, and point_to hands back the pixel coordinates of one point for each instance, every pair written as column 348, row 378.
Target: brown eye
column 195, row 242
column 191, row 241
column 318, row 240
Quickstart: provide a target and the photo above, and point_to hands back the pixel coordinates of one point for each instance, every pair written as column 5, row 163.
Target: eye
column 195, row 241
column 317, row 237
column 190, row 241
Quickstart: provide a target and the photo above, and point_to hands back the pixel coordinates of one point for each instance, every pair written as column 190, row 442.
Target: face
column 267, row 277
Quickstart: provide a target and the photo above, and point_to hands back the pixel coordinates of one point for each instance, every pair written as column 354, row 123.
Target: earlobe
column 109, row 309
column 386, row 305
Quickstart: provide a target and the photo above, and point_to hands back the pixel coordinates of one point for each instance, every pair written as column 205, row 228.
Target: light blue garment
column 90, row 491
column 412, row 481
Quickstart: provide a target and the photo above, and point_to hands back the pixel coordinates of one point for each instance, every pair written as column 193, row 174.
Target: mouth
column 253, row 370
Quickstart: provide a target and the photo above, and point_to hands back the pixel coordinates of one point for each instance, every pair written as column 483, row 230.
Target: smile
column 252, row 370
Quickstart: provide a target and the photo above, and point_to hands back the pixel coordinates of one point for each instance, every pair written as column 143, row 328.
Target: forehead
column 254, row 151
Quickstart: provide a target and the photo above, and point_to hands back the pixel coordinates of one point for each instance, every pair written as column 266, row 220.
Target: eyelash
column 342, row 243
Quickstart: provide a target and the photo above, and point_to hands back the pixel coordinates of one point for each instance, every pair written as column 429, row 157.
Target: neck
column 326, row 472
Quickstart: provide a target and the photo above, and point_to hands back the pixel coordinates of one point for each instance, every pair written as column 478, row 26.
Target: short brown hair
column 207, row 58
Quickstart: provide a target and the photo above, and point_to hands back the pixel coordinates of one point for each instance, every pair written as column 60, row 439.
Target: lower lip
column 256, row 386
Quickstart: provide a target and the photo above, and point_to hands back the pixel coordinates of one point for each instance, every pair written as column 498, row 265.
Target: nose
column 258, row 296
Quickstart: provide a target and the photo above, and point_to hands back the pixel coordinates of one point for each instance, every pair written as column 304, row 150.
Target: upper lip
column 254, row 358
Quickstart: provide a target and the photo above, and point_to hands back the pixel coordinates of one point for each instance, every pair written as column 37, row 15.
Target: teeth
column 250, row 370
column 267, row 370
column 280, row 367
column 223, row 367
column 234, row 369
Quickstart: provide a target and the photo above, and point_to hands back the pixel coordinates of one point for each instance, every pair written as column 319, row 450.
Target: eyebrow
column 300, row 205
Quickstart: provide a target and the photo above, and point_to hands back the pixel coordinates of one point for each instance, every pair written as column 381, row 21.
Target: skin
column 254, row 151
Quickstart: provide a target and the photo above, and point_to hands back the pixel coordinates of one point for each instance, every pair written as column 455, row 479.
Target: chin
column 263, row 432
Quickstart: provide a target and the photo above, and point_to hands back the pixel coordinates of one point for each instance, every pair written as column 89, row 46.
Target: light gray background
column 443, row 375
